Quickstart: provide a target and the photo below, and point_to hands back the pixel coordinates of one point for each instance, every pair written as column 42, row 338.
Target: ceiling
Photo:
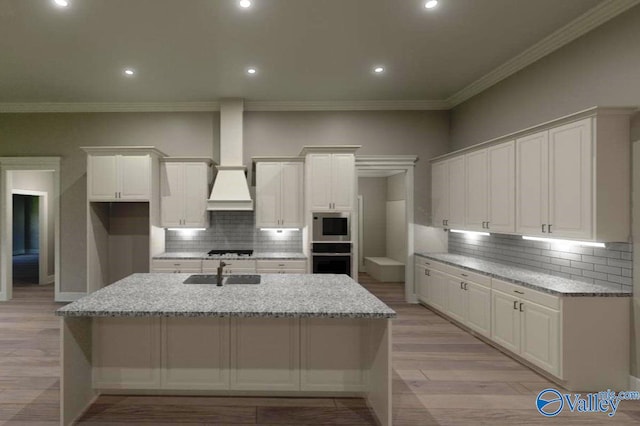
column 304, row 50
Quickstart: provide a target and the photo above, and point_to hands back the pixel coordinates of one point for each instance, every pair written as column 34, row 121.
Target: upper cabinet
column 279, row 189
column 330, row 178
column 565, row 179
column 184, row 190
column 121, row 173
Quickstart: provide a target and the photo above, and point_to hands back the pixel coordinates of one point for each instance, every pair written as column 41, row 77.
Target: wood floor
column 442, row 376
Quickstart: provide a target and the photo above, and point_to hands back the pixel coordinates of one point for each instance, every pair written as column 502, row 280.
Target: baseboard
column 69, row 296
column 48, row 280
column 634, row 383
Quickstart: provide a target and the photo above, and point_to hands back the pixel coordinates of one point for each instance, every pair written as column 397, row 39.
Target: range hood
column 230, row 189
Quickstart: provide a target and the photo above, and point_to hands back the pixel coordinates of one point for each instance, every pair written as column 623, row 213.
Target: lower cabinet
column 469, row 304
column 281, row 266
column 176, row 266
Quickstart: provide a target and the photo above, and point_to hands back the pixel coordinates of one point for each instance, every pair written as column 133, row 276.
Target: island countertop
column 278, row 295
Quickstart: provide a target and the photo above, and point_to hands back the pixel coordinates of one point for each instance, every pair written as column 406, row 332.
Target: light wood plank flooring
column 442, row 376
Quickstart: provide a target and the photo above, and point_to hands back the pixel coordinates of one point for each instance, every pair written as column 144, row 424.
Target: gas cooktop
column 230, row 253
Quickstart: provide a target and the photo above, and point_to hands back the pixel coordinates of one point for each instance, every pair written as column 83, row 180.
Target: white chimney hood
column 230, row 189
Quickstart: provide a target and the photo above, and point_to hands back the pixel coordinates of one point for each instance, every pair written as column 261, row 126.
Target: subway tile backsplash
column 611, row 266
column 233, row 230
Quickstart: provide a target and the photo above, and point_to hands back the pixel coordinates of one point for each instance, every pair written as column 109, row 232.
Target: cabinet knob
column 543, row 228
column 521, row 307
column 549, row 228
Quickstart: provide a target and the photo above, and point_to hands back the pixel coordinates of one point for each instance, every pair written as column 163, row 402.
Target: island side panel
column 76, row 389
column 379, row 395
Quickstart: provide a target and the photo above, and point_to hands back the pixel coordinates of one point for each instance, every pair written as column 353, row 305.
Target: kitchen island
column 290, row 335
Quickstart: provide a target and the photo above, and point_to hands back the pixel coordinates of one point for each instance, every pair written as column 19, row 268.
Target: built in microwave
column 331, row 226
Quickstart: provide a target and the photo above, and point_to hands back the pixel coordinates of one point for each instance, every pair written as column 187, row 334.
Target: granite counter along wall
column 610, row 266
column 234, row 230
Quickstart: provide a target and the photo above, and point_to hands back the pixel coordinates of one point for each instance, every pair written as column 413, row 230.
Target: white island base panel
column 225, row 356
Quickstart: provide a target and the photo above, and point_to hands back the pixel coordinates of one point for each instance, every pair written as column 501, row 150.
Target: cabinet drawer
column 190, row 264
column 525, row 293
column 465, row 275
column 281, row 264
column 431, row 264
column 230, row 264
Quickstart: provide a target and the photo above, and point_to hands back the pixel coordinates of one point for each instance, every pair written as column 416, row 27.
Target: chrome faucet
column 220, row 269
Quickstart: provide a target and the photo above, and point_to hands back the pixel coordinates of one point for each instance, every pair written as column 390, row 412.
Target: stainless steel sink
column 231, row 279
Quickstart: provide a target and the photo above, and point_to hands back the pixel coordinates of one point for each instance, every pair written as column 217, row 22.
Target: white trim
column 361, row 266
column 43, row 231
column 78, row 107
column 69, row 296
column 8, row 164
column 584, row 23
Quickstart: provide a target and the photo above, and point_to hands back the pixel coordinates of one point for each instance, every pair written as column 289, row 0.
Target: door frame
column 43, row 233
column 407, row 164
column 35, row 164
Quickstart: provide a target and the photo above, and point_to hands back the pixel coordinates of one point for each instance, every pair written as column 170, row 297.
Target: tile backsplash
column 611, row 266
column 233, row 230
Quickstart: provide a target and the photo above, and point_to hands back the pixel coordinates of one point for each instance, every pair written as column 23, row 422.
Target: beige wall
column 600, row 68
column 374, row 215
column 197, row 134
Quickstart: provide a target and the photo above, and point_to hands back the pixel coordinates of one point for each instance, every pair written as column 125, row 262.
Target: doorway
column 29, row 221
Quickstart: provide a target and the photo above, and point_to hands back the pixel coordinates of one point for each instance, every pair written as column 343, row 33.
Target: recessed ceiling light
column 245, row 4
column 129, row 72
column 61, row 3
column 378, row 70
column 431, row 4
column 251, row 70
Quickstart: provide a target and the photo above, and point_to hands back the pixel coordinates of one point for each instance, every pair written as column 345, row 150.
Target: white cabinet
column 281, row 266
column 265, row 354
column 448, row 185
column 501, row 188
column 279, row 198
column 206, row 365
column 331, row 181
column 118, row 177
column 476, row 190
column 470, row 304
column 527, row 323
column 232, row 266
column 176, row 266
column 184, row 189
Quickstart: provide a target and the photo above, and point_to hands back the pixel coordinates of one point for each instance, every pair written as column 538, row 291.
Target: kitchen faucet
column 220, row 268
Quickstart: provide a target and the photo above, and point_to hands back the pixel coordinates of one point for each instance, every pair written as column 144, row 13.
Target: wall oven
column 331, row 258
column 331, row 227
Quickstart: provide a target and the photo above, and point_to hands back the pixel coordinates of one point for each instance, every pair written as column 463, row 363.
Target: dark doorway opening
column 26, row 240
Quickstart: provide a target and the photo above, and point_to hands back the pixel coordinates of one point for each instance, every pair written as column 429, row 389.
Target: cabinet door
column 265, row 354
column 476, row 194
column 571, row 180
column 502, row 206
column 540, row 336
column 205, row 365
column 421, row 283
column 479, row 308
column 532, row 180
column 319, row 172
column 268, row 186
column 291, row 194
column 343, row 181
column 456, row 193
column 457, row 300
column 505, row 320
column 135, row 177
column 196, row 193
column 439, row 193
column 437, row 290
column 172, row 194
column 102, row 177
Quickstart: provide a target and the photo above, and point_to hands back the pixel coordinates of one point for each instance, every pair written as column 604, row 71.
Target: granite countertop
column 254, row 256
column 294, row 296
column 535, row 280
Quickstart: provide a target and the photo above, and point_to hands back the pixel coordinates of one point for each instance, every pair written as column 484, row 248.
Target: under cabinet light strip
column 186, row 229
column 279, row 229
column 460, row 231
column 570, row 242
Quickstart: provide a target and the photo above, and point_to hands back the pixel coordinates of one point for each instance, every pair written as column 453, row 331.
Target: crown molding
column 586, row 22
column 80, row 107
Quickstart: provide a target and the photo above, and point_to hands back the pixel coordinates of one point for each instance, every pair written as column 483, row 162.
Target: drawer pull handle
column 518, row 291
column 543, row 225
column 461, row 287
column 464, row 275
column 515, row 304
column 521, row 307
column 465, row 286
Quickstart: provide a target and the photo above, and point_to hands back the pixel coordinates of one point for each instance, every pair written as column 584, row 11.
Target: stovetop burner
column 230, row 252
